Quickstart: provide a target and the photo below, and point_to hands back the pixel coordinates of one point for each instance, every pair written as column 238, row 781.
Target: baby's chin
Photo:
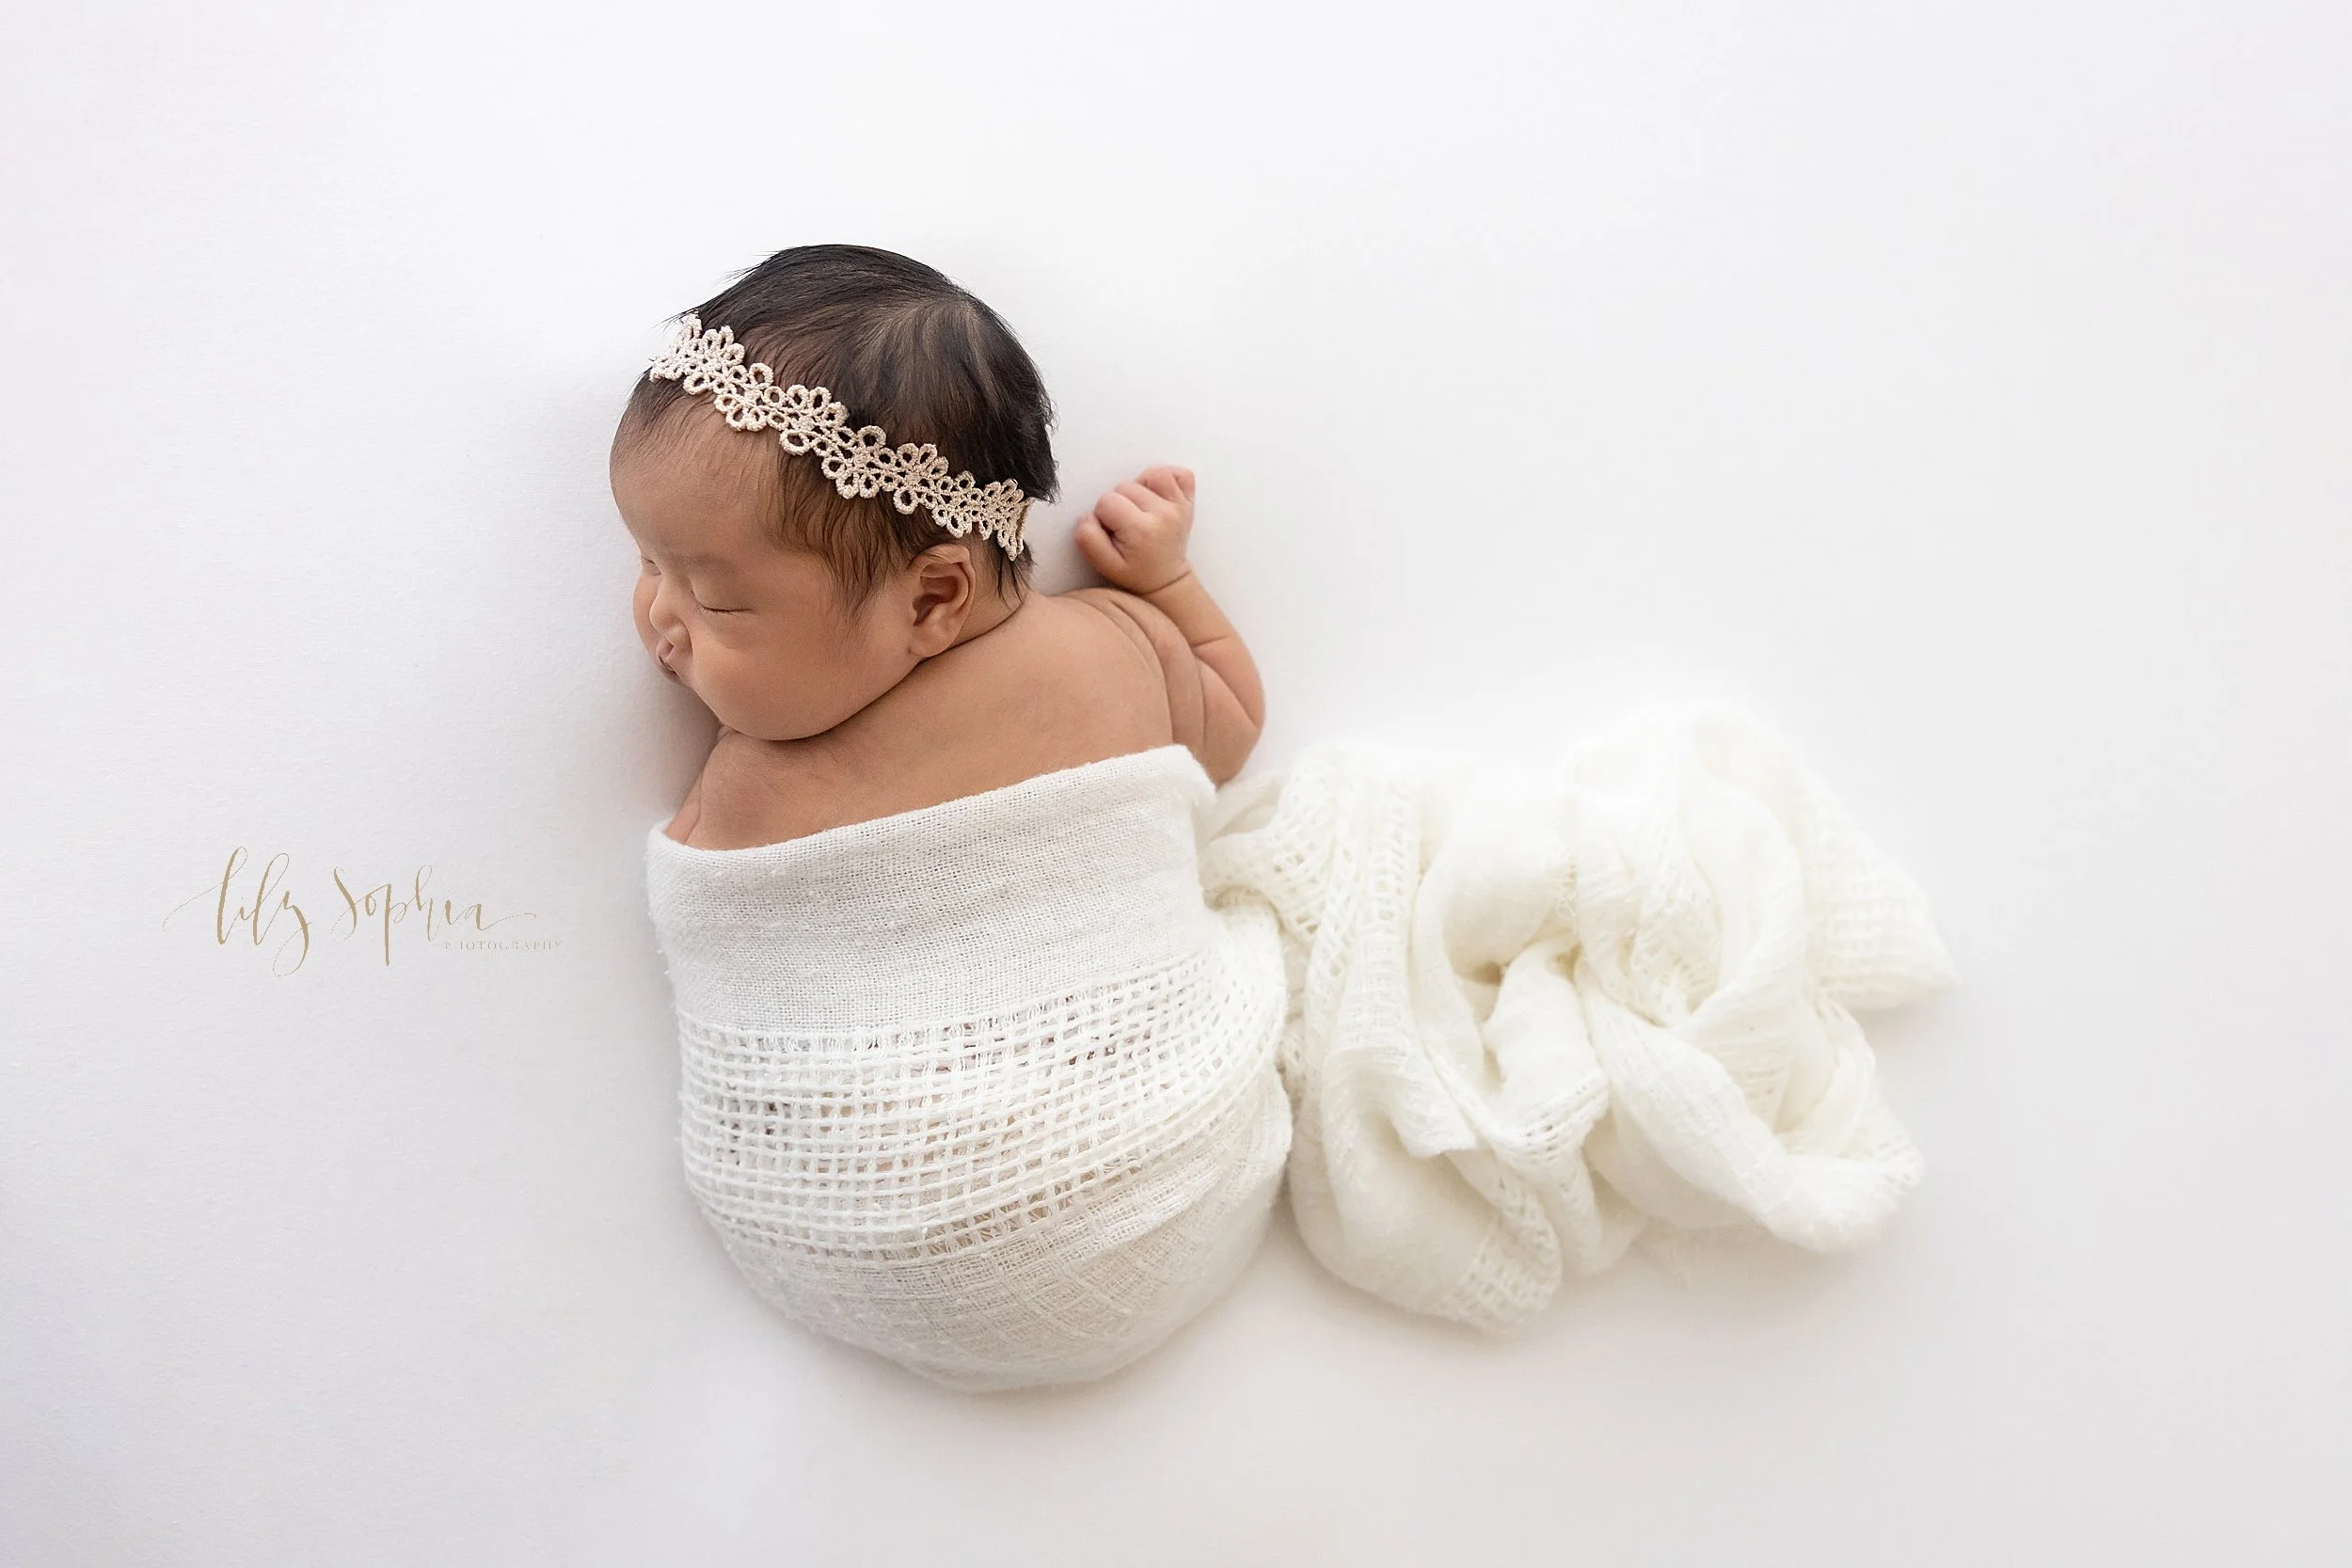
column 815, row 713
column 768, row 726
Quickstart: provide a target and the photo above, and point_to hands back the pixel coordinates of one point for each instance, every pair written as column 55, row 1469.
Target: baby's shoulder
column 1073, row 679
column 1110, row 616
column 1078, row 657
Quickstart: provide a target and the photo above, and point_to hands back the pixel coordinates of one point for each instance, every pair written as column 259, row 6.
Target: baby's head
column 783, row 604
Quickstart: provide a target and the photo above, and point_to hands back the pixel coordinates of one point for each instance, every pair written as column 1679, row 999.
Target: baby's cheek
column 641, row 610
column 752, row 704
column 770, row 696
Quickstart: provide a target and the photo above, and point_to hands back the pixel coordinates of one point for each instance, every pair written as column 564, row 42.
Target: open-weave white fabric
column 1002, row 1088
column 986, row 1087
column 1538, row 1017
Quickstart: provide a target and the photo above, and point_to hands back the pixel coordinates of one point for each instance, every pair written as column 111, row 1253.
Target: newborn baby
column 974, row 1077
column 1001, row 1022
column 862, row 664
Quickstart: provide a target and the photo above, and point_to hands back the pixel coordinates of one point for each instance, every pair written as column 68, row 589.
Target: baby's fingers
column 1168, row 482
column 1160, row 480
column 1118, row 510
column 1148, row 500
column 1095, row 542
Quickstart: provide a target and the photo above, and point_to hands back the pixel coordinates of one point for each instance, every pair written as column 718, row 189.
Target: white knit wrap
column 985, row 1087
column 992, row 1088
column 1540, row 1015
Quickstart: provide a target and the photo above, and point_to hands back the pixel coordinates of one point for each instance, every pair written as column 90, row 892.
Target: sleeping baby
column 864, row 656
column 1003, row 1009
column 998, row 1148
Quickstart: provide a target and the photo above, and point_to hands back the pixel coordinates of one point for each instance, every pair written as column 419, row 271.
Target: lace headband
column 860, row 461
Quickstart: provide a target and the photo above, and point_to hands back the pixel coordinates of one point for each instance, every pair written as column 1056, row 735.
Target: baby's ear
column 943, row 586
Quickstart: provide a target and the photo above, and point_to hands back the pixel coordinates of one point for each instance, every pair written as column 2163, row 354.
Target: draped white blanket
column 1003, row 1089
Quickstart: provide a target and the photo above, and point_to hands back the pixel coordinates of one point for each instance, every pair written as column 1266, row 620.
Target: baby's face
column 752, row 627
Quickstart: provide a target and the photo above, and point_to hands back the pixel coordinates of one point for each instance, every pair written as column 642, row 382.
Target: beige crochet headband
column 860, row 461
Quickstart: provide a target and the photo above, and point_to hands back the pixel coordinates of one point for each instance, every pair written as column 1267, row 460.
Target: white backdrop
column 1965, row 388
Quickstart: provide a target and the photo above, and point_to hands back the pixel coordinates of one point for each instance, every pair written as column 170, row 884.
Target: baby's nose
column 663, row 613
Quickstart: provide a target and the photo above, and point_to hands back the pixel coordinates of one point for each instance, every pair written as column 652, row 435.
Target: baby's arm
column 1135, row 538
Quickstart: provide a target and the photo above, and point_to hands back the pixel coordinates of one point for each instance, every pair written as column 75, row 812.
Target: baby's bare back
column 1063, row 681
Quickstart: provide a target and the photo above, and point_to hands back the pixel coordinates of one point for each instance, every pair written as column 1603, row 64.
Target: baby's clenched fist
column 1136, row 534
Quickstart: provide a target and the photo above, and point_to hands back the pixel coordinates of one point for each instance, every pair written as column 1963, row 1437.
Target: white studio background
column 1965, row 388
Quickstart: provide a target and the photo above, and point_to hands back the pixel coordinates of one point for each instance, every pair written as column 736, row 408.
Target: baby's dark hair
column 903, row 347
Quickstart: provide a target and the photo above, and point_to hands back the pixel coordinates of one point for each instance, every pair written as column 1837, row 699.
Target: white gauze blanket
column 1003, row 1089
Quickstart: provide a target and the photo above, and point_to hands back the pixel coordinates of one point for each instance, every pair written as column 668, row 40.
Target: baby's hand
column 1136, row 534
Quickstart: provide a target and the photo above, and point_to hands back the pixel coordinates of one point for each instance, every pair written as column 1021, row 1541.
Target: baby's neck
column 988, row 613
